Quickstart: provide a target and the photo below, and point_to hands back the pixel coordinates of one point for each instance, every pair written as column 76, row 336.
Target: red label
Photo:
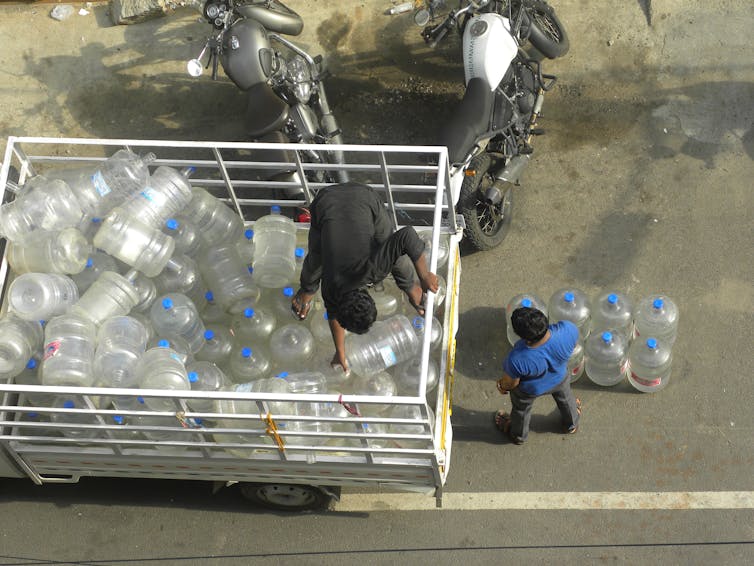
column 51, row 349
column 645, row 382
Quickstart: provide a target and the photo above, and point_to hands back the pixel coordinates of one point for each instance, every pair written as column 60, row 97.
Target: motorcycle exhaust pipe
column 511, row 173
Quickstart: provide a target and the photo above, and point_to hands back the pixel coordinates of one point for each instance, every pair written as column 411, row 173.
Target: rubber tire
column 286, row 497
column 469, row 206
column 542, row 38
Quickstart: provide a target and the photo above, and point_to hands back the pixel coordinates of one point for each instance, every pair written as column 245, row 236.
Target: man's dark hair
column 356, row 311
column 530, row 324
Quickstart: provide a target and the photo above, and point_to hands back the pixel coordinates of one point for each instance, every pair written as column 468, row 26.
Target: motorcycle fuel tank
column 243, row 47
column 488, row 48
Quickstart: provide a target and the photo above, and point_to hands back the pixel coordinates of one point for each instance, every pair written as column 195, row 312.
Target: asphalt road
column 642, row 183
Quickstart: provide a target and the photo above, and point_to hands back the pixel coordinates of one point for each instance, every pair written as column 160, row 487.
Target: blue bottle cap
column 568, row 297
column 140, row 400
column 188, row 171
column 210, row 296
column 172, row 224
column 300, row 252
column 658, row 303
column 607, row 337
column 418, row 322
column 248, row 233
column 31, row 364
column 248, row 313
column 167, row 303
column 198, row 421
column 250, row 269
column 193, row 376
column 288, row 291
column 612, row 298
column 89, row 263
column 325, row 316
column 246, row 353
column 651, row 343
column 209, row 334
column 163, row 344
column 282, row 374
column 526, row 303
column 68, row 404
column 275, row 209
column 118, row 419
column 96, row 220
column 32, row 415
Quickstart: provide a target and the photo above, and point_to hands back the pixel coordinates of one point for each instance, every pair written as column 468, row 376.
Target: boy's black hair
column 530, row 324
column 356, row 311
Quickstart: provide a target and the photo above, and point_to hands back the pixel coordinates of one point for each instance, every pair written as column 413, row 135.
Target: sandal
column 574, row 429
column 503, row 423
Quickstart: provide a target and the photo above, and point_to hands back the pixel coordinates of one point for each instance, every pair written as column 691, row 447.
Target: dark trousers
column 523, row 403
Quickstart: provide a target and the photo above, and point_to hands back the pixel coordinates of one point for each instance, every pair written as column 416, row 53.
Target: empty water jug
column 181, row 275
column 320, row 327
column 97, row 263
column 110, row 295
column 30, row 376
column 386, row 297
column 274, row 247
column 176, row 314
column 205, row 376
column 167, row 193
column 138, row 245
column 575, row 366
column 281, row 304
column 442, row 249
column 253, row 326
column 188, row 241
column 218, row 343
column 435, row 340
column 292, row 347
column 161, row 368
column 573, row 305
column 657, row 317
column 20, row 340
column 69, row 351
column 124, row 332
column 651, row 362
column 408, row 376
column 121, row 341
column 66, row 405
column 146, row 291
column 380, row 384
column 40, row 296
column 65, row 251
column 50, row 207
column 215, row 221
column 245, row 246
column 606, row 357
column 176, row 343
column 103, row 187
column 527, row 300
column 213, row 311
column 388, row 343
column 226, row 275
column 613, row 310
column 248, row 365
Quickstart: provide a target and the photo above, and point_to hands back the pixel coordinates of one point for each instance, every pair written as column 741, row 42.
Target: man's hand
column 339, row 360
column 506, row 383
column 302, row 303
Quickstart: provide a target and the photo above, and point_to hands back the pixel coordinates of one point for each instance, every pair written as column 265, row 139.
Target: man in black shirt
column 351, row 245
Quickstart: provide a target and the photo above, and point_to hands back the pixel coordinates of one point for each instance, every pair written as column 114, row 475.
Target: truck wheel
column 286, row 497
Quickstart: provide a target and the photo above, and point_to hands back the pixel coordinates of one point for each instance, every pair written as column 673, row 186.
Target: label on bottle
column 577, row 369
column 645, row 382
column 51, row 349
column 99, row 184
column 388, row 355
column 243, row 388
column 624, row 367
column 153, row 196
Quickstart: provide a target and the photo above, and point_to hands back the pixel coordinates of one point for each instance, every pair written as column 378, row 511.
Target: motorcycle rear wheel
column 546, row 33
column 486, row 225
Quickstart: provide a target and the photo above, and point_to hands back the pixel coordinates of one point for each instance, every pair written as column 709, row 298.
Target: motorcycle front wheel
column 486, row 225
column 546, row 33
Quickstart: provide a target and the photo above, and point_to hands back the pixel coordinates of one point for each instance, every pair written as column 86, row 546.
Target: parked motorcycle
column 489, row 135
column 286, row 100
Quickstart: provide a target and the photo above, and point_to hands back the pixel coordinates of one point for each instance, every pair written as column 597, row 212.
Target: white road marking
column 549, row 500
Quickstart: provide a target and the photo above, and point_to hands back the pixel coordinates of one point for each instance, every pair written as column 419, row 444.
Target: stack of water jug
column 616, row 340
column 131, row 279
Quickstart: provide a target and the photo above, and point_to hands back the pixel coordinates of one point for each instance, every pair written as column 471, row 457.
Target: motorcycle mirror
column 422, row 17
column 194, row 68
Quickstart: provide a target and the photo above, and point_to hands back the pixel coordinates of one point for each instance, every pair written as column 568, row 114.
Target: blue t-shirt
column 544, row 367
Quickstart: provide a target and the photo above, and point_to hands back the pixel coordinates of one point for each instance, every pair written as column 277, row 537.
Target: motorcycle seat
column 265, row 111
column 470, row 120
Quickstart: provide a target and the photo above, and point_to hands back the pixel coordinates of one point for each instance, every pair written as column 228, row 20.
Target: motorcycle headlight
column 300, row 76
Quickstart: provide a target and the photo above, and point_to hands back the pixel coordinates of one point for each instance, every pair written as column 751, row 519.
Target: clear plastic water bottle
column 379, row 384
column 528, row 300
column 205, row 376
column 253, row 326
column 606, row 357
column 167, row 193
column 386, row 299
column 245, row 246
column 50, row 207
column 226, row 275
column 213, row 312
column 30, row 376
column 435, row 340
column 442, row 251
column 176, row 314
column 121, row 341
column 266, row 385
column 146, row 290
column 306, row 382
column 408, row 376
column 140, row 246
column 292, row 347
column 299, row 255
column 69, row 351
column 657, row 316
column 97, row 263
column 65, row 251
column 176, row 343
column 575, row 365
column 613, row 310
column 573, row 305
column 181, row 275
column 19, row 341
column 388, row 343
column 122, row 332
column 144, row 319
column 651, row 362
column 89, row 226
column 110, row 295
column 442, row 291
column 101, row 188
column 215, row 221
column 218, row 344
column 274, row 246
column 40, row 296
column 73, row 402
column 320, row 328
column 188, row 241
column 281, row 304
column 161, row 368
column 249, row 365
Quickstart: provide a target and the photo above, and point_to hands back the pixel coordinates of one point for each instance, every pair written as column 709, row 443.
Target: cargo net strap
column 272, row 430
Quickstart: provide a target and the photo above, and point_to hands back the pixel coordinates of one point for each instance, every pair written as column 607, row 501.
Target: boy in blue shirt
column 537, row 366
